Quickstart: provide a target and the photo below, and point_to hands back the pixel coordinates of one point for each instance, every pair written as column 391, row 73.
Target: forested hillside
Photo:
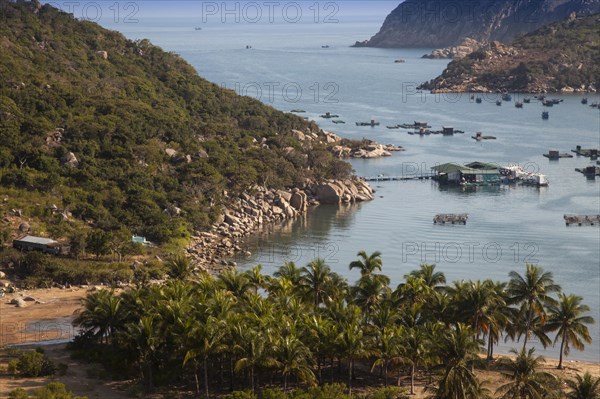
column 121, row 134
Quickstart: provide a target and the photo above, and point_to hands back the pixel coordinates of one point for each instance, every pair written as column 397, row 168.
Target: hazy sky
column 262, row 11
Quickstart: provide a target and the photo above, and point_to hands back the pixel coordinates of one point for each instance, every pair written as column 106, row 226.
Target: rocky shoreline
column 249, row 212
column 462, row 50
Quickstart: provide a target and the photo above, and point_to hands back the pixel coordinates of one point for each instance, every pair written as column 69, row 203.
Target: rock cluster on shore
column 249, row 212
column 462, row 50
column 372, row 150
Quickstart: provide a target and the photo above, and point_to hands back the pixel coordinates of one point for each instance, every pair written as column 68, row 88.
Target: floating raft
column 372, row 123
column 586, row 152
column 416, row 125
column 338, row 121
column 590, row 171
column 450, row 218
column 553, row 154
column 298, row 111
column 582, row 220
column 329, row 115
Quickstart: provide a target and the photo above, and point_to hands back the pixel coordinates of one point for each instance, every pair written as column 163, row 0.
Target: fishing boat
column 329, row 115
column 338, row 121
column 545, row 115
column 519, row 104
column 197, row 28
column 527, row 100
column 584, row 100
column 325, row 46
column 506, row 97
column 478, row 100
column 498, row 103
column 399, row 61
column 547, row 103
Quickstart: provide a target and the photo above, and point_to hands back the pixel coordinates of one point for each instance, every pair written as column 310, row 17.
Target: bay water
column 311, row 67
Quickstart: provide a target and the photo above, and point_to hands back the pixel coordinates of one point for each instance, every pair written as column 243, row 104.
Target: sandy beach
column 46, row 315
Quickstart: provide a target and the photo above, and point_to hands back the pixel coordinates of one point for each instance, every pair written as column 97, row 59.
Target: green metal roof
column 449, row 168
column 480, row 172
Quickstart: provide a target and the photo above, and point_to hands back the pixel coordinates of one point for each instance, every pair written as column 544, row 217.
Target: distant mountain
column 443, row 23
column 560, row 57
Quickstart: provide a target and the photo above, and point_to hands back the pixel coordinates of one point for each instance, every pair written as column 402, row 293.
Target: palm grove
column 308, row 326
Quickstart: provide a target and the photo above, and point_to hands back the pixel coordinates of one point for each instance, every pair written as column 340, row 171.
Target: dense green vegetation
column 117, row 105
column 556, row 56
column 308, row 326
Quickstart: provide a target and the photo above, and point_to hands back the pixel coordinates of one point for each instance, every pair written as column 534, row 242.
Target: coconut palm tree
column 532, row 292
column 568, row 320
column 387, row 344
column 351, row 340
column 254, row 350
column 145, row 339
column 207, row 339
column 584, row 387
column 455, row 349
column 525, row 379
column 290, row 271
column 256, row 278
column 368, row 293
column 316, row 277
column 497, row 317
column 235, row 282
column 294, row 358
column 433, row 279
column 103, row 315
column 414, row 352
column 367, row 264
column 180, row 267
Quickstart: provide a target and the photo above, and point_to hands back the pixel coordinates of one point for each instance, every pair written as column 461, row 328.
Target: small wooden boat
column 545, row 115
column 527, row 100
column 506, row 97
column 519, row 104
column 498, row 103
column 584, row 100
column 478, row 100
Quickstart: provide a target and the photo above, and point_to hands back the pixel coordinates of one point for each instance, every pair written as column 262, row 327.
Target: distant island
column 440, row 23
column 560, row 57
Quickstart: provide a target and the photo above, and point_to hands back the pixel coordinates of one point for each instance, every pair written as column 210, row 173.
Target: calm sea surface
column 508, row 226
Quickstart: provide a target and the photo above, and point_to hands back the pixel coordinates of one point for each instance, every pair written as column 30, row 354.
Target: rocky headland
column 442, row 23
column 563, row 57
column 249, row 212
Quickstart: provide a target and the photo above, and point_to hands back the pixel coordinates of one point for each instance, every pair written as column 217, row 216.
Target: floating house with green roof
column 474, row 173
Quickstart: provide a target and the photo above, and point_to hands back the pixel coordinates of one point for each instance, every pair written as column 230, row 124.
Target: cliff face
column 443, row 23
